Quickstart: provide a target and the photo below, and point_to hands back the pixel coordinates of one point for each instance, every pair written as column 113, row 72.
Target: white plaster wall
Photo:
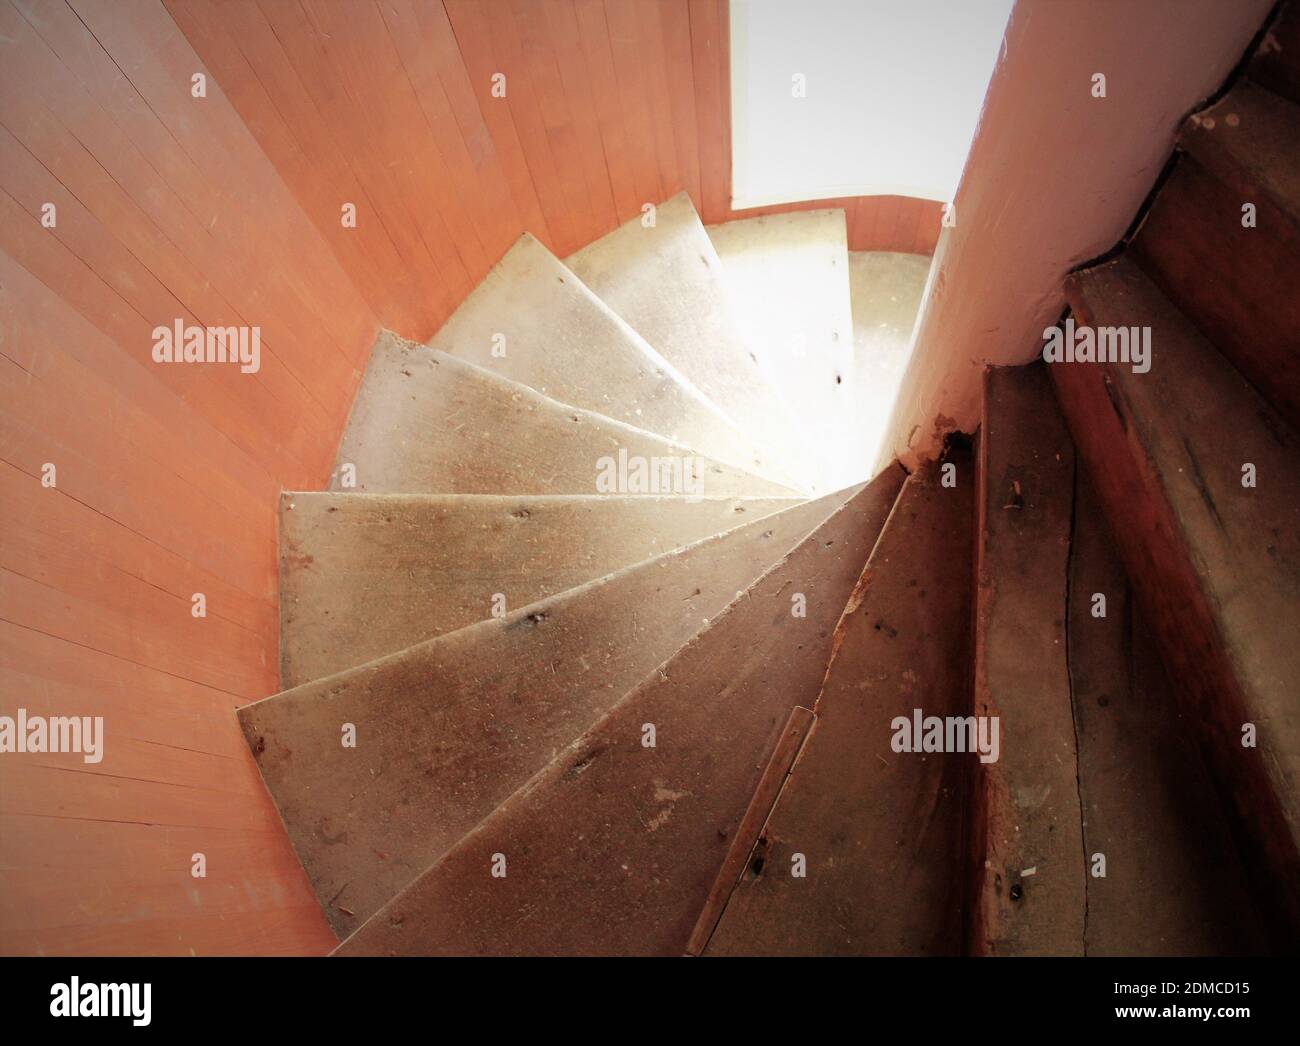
column 1053, row 178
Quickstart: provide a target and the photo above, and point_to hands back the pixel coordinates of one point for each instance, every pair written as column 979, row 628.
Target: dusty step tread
column 425, row 422
column 447, row 729
column 886, row 288
column 533, row 321
column 1248, row 140
column 1029, row 855
column 1235, row 283
column 364, row 575
column 667, row 283
column 1097, row 764
column 746, row 835
column 879, row 831
column 788, row 279
column 1276, row 65
column 613, row 848
column 1216, row 565
column 1174, row 883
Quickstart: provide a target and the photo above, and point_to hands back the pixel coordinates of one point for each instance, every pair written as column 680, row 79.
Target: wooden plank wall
column 226, row 210
column 609, row 104
column 166, row 484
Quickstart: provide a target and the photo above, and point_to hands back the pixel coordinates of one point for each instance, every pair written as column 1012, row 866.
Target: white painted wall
column 1053, row 179
column 893, row 93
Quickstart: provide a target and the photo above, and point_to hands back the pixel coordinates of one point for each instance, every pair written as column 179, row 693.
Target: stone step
column 364, row 575
column 447, row 729
column 425, row 422
column 1215, row 562
column 666, row 281
column 1235, row 282
column 533, row 321
column 747, row 834
column 886, row 289
column 788, row 279
column 614, row 847
column 862, row 852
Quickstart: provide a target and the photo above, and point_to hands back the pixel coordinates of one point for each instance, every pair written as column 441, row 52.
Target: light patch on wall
column 836, row 98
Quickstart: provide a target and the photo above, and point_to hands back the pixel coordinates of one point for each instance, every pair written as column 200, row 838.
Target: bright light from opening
column 857, row 97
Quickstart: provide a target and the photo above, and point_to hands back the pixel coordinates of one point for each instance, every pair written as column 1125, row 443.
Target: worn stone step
column 614, row 847
column 425, row 422
column 1235, row 282
column 364, row 575
column 666, row 281
column 533, row 321
column 447, row 729
column 1276, row 64
column 886, row 289
column 1215, row 563
column 788, row 279
column 747, row 833
column 876, row 832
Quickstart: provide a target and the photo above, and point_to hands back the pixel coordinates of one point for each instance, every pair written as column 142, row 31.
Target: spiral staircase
column 526, row 715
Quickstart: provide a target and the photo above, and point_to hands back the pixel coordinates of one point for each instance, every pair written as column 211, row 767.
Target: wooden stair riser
column 1225, row 657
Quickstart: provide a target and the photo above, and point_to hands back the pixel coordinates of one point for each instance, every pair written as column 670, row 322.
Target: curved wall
column 225, row 209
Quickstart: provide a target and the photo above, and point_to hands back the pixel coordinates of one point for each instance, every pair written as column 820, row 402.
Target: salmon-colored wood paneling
column 226, row 210
column 167, row 475
column 607, row 105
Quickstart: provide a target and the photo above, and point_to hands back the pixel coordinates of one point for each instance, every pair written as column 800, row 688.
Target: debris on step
column 428, row 423
column 862, row 852
column 455, row 724
column 533, row 321
column 665, row 280
column 613, row 848
column 408, row 567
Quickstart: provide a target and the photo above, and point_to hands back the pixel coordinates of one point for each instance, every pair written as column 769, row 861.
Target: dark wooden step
column 614, row 848
column 1097, row 831
column 1028, row 842
column 1237, row 284
column 447, row 729
column 1276, row 64
column 879, row 831
column 1250, row 141
column 1215, row 564
column 1173, row 882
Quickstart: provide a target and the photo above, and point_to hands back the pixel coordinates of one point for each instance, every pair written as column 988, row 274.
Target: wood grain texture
column 167, row 208
column 608, row 105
